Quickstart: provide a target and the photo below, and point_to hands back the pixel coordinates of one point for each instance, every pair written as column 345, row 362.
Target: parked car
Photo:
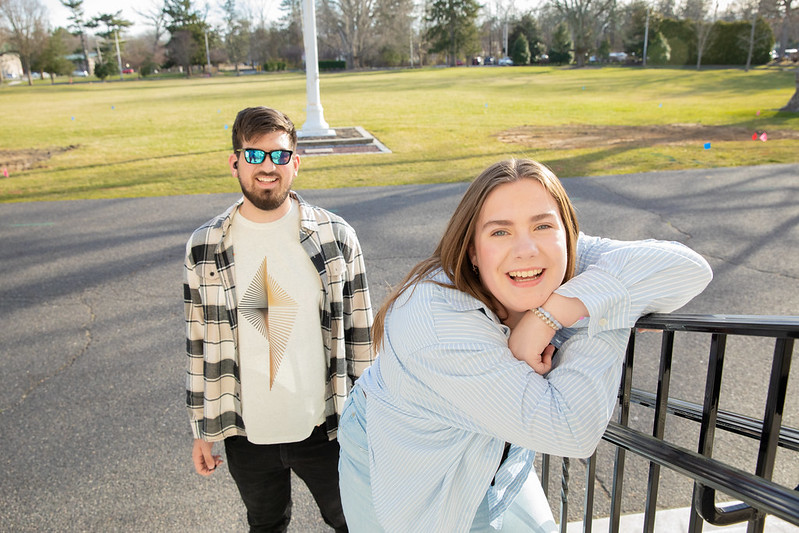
column 505, row 62
column 80, row 74
column 128, row 71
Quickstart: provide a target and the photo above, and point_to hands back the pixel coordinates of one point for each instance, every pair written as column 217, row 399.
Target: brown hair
column 452, row 253
column 253, row 122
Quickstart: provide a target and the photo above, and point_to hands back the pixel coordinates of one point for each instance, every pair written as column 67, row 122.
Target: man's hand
column 205, row 462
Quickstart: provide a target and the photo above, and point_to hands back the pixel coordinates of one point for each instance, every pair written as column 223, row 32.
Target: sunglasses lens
column 254, row 157
column 281, row 157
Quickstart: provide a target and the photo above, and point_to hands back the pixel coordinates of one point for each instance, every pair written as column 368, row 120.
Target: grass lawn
column 172, row 136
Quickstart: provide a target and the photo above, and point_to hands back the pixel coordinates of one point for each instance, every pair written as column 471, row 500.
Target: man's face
column 265, row 186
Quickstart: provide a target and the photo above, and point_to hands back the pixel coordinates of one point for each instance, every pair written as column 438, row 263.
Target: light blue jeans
column 529, row 512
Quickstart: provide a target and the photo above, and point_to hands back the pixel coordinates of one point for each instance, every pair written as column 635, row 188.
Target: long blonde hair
column 452, row 253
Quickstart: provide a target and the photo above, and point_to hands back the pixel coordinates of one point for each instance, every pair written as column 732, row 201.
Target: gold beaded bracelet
column 548, row 319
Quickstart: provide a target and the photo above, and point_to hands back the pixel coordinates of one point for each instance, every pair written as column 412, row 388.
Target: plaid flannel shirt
column 213, row 387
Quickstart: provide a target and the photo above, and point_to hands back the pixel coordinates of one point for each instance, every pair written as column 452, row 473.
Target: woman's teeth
column 523, row 275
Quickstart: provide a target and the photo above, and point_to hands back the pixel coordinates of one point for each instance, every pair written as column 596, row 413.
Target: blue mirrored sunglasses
column 255, row 157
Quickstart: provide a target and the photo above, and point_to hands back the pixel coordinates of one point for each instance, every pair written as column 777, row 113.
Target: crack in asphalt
column 687, row 235
column 87, row 331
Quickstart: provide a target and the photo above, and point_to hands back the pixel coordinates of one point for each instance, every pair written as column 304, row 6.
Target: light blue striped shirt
column 446, row 393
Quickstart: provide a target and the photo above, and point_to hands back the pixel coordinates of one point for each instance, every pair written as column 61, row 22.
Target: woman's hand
column 529, row 342
column 530, row 337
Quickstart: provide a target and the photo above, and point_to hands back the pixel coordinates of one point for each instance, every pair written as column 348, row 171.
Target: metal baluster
column 659, row 426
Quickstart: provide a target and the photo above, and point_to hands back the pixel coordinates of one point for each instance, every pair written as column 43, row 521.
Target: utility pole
column 646, row 35
column 207, row 53
column 119, row 56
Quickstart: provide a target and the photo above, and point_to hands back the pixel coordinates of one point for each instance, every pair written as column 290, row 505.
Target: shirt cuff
column 607, row 300
column 195, row 429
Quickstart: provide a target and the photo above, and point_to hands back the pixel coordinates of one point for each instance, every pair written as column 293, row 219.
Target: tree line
column 392, row 33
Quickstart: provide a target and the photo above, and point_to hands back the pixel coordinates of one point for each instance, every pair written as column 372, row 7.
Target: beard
column 266, row 200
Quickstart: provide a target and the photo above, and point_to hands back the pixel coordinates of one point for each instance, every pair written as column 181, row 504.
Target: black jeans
column 262, row 473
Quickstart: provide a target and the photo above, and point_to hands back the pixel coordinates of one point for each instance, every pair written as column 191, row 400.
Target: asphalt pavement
column 95, row 436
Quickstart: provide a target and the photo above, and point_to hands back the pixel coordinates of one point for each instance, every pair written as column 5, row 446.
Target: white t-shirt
column 281, row 355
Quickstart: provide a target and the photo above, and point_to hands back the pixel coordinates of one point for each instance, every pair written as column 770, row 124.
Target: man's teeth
column 525, row 274
column 269, row 180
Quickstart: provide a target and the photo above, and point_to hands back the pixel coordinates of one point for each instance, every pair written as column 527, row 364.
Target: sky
column 59, row 14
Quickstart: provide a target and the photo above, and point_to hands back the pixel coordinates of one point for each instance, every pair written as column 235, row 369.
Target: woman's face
column 520, row 246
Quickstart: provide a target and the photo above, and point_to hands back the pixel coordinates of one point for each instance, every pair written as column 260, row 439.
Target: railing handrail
column 771, row 497
column 775, row 326
column 760, row 495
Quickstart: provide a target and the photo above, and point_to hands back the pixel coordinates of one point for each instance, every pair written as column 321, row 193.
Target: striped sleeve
column 357, row 312
column 620, row 281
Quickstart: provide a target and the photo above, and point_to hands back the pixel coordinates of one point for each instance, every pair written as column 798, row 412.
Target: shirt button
column 603, row 322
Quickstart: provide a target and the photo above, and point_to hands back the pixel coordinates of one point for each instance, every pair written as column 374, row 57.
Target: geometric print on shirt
column 271, row 311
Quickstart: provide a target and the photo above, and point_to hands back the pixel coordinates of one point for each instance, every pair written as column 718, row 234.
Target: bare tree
column 26, row 24
column 155, row 16
column 793, row 103
column 393, row 31
column 698, row 12
column 786, row 11
column 582, row 17
column 352, row 22
column 755, row 13
column 238, row 34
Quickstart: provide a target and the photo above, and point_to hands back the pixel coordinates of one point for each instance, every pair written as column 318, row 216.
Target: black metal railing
column 760, row 496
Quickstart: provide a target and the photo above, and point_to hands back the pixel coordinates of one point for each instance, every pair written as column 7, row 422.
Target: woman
column 464, row 364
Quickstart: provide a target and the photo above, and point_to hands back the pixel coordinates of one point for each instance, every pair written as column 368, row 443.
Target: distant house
column 10, row 66
column 78, row 60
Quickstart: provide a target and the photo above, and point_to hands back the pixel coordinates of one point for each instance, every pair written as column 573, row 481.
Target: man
column 278, row 322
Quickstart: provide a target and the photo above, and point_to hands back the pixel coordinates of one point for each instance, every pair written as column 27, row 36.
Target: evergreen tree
column 528, row 26
column 453, row 27
column 110, row 24
column 186, row 46
column 53, row 60
column 658, row 51
column 520, row 51
column 77, row 27
column 560, row 48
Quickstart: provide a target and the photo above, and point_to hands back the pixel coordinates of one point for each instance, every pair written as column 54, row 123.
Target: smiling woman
column 520, row 247
column 466, row 385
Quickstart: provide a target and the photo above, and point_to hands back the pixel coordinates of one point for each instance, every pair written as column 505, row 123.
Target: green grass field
column 164, row 137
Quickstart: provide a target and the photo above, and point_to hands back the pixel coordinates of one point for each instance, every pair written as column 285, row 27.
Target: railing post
column 624, row 416
column 772, row 419
column 590, row 480
column 659, row 426
column 564, row 494
column 715, row 365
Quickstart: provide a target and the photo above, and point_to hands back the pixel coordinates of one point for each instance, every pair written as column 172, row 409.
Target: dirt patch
column 18, row 160
column 581, row 136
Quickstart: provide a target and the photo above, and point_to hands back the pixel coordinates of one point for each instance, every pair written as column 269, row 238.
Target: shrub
column 332, row 64
column 106, row 69
column 275, row 65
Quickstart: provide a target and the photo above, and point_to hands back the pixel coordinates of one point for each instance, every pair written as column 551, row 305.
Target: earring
column 474, row 269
